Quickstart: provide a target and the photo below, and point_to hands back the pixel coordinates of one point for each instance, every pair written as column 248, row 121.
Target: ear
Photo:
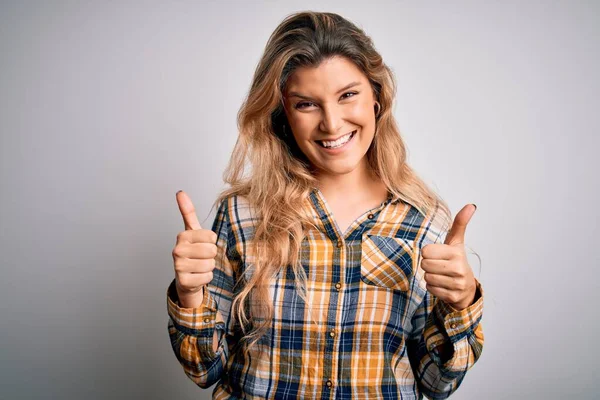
column 377, row 108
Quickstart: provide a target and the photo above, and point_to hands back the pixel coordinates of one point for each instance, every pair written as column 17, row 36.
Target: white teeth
column 337, row 143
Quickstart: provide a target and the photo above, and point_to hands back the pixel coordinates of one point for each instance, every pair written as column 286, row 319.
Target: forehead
column 328, row 77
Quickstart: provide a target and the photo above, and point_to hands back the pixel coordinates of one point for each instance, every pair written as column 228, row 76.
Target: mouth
column 334, row 144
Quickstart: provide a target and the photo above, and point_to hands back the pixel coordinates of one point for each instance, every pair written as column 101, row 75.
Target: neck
column 357, row 185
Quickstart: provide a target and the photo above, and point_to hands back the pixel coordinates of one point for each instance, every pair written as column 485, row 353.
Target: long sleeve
column 443, row 343
column 191, row 330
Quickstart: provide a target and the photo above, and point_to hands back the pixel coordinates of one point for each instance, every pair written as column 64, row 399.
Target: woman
column 324, row 274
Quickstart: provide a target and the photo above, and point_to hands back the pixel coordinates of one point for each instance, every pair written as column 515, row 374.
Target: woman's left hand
column 447, row 273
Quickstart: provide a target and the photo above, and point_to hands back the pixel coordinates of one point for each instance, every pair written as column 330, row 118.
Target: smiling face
column 330, row 110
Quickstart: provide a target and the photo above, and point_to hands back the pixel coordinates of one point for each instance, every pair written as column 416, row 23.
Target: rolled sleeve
column 199, row 323
column 455, row 338
column 194, row 321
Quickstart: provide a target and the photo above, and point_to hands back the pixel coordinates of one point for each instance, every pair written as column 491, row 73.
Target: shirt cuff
column 199, row 321
column 445, row 333
column 460, row 323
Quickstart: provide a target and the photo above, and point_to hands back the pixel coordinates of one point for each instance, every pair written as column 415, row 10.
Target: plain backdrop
column 108, row 108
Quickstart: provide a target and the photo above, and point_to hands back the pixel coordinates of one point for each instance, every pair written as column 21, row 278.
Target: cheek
column 362, row 113
column 303, row 127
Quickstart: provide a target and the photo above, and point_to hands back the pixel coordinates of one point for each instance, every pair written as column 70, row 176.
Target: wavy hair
column 268, row 169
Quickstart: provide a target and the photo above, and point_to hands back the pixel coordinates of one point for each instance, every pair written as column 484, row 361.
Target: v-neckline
column 328, row 211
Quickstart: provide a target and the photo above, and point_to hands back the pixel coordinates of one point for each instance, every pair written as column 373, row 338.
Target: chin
column 339, row 168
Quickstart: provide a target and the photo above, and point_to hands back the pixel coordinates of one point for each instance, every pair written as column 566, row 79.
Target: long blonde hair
column 280, row 177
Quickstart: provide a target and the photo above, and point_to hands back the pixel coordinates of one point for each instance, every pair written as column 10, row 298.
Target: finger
column 439, row 251
column 188, row 212
column 441, row 293
column 188, row 281
column 456, row 234
column 197, row 236
column 441, row 281
column 193, row 266
column 195, row 251
column 438, row 267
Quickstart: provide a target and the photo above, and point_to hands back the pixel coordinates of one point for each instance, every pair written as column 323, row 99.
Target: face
column 330, row 109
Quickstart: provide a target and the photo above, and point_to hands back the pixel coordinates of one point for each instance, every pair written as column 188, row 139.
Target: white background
column 108, row 108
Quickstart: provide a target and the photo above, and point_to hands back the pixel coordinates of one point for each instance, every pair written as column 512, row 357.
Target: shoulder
column 405, row 220
column 425, row 225
column 236, row 209
column 240, row 219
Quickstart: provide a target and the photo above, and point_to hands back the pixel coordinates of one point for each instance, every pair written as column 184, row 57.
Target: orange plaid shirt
column 370, row 329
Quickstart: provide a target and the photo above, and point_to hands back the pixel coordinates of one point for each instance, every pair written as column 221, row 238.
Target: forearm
column 197, row 356
column 194, row 300
column 196, row 335
column 445, row 344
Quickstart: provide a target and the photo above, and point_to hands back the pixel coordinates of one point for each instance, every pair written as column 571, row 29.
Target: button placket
column 330, row 368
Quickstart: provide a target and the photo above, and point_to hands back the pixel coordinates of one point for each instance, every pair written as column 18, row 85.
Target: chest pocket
column 388, row 262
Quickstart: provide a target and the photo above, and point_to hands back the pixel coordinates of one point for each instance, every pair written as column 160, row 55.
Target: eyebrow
column 348, row 86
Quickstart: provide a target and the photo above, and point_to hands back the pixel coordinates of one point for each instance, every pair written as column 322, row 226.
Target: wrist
column 190, row 299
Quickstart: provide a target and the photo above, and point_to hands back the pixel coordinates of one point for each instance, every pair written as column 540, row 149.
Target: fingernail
column 178, row 192
column 475, row 206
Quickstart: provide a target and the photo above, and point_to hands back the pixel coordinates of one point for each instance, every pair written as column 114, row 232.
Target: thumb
column 456, row 235
column 188, row 212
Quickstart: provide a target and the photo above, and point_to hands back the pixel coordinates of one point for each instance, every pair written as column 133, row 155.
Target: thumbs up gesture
column 447, row 272
column 194, row 254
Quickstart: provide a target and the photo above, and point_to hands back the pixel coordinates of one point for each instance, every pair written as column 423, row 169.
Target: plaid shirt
column 375, row 332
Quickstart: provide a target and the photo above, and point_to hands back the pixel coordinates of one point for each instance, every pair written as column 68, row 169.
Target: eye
column 302, row 104
column 352, row 93
column 305, row 104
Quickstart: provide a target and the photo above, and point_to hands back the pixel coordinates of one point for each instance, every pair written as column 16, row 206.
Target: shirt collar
column 316, row 195
column 391, row 199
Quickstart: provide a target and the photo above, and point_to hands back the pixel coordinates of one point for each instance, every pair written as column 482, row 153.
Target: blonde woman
column 331, row 270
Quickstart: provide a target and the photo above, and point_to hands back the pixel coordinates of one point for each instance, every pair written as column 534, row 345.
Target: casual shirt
column 368, row 330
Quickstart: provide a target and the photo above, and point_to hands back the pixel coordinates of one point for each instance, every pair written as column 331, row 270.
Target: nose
column 332, row 120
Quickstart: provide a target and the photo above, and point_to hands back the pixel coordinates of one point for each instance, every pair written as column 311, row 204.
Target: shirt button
column 338, row 286
column 207, row 320
column 339, row 243
column 332, row 333
column 371, row 216
column 329, row 383
column 453, row 326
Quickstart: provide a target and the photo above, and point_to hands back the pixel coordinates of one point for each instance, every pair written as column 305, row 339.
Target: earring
column 283, row 130
column 376, row 116
column 378, row 109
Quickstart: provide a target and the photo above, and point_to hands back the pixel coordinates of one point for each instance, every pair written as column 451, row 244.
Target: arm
column 442, row 343
column 198, row 334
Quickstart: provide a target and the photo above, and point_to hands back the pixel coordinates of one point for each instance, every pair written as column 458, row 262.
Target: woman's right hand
column 193, row 256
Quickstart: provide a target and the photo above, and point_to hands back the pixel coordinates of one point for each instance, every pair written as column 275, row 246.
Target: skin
column 447, row 271
column 316, row 109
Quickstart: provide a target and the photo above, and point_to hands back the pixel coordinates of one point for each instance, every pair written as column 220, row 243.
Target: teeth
column 337, row 143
